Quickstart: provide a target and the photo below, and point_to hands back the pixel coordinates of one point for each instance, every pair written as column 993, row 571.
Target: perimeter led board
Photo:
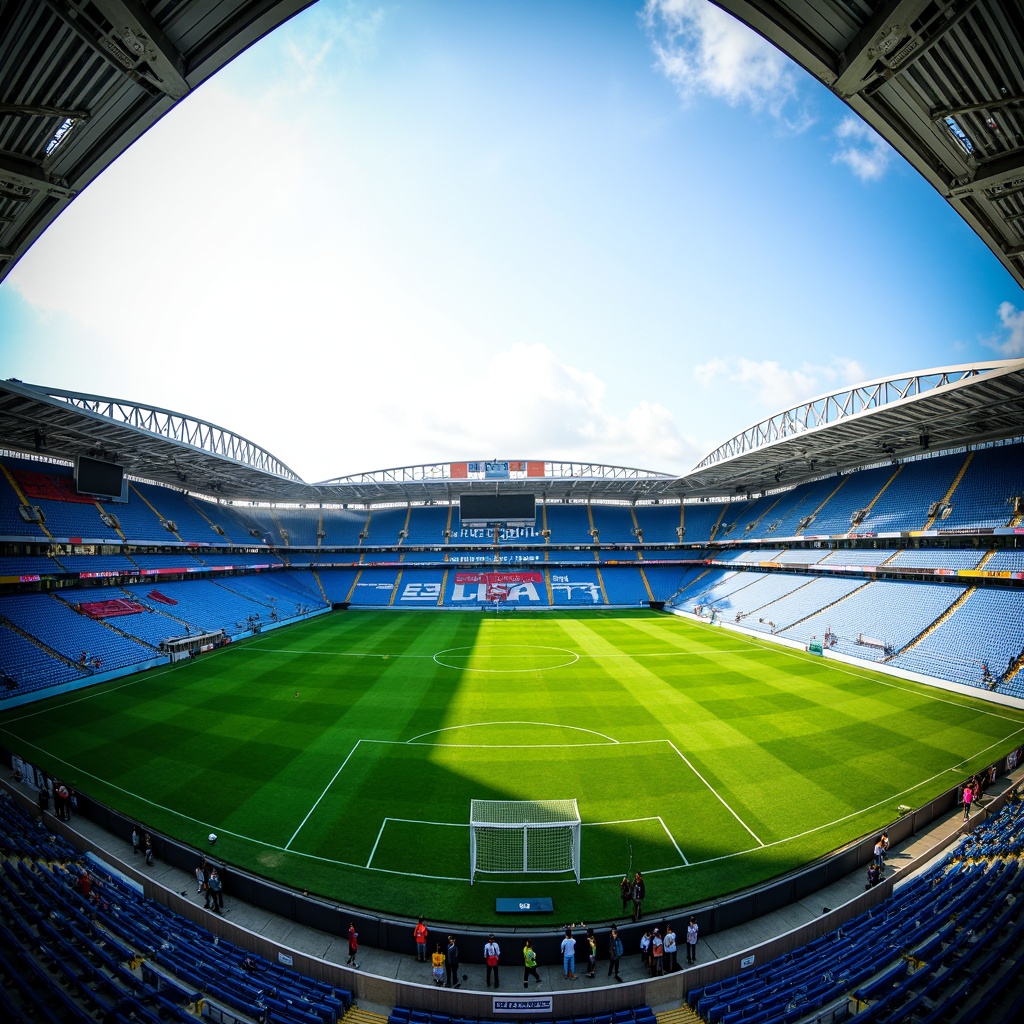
column 476, row 510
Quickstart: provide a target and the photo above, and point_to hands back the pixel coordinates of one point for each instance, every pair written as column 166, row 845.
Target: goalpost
column 524, row 836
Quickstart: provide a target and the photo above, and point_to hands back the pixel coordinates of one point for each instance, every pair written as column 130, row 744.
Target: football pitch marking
column 483, row 649
column 474, row 725
column 462, row 824
column 462, row 878
column 526, row 746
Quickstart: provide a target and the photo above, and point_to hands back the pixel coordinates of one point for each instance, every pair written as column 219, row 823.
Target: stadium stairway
column 934, row 625
column 948, row 496
column 684, row 1014
column 356, row 1015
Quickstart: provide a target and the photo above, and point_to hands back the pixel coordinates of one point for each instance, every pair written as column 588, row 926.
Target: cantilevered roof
column 81, row 80
column 889, row 418
column 941, row 80
column 195, row 455
column 150, row 442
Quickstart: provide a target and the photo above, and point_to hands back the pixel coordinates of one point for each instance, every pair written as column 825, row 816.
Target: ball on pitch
column 213, row 838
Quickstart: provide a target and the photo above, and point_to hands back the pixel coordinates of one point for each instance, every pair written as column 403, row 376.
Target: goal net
column 524, row 837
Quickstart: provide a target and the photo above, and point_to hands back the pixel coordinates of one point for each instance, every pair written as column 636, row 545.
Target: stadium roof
column 81, row 80
column 941, row 80
column 845, row 430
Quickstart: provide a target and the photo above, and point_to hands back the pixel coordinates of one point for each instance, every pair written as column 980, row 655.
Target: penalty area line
column 410, row 821
column 322, row 795
column 672, row 839
column 718, row 796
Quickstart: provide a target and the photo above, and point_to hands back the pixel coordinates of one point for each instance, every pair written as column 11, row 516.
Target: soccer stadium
column 770, row 709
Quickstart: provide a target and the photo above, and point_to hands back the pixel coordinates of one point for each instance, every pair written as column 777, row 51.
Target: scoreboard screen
column 99, row 479
column 476, row 510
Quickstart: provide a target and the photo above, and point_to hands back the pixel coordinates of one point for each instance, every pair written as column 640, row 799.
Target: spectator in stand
column 214, row 886
column 529, row 964
column 657, row 953
column 614, row 953
column 670, row 949
column 492, row 954
column 568, row 948
column 420, row 933
column 437, row 964
column 451, row 963
column 874, row 876
column 968, row 800
column 691, row 941
column 353, row 944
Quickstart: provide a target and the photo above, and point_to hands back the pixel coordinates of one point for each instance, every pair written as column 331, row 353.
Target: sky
column 394, row 233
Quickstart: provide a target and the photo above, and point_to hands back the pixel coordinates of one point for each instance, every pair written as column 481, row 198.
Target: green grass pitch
column 340, row 755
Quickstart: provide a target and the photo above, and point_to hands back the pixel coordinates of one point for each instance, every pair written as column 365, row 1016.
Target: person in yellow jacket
column 437, row 964
column 529, row 964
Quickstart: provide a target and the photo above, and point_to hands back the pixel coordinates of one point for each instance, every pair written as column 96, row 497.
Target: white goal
column 524, row 837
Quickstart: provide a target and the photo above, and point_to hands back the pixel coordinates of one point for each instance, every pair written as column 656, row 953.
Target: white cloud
column 524, row 402
column 776, row 388
column 331, row 38
column 1011, row 341
column 865, row 152
column 703, row 50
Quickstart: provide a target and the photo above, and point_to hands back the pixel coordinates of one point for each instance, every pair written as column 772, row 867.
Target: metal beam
column 146, row 40
column 100, row 43
column 941, row 113
column 880, row 34
column 25, row 110
column 28, row 174
column 992, row 172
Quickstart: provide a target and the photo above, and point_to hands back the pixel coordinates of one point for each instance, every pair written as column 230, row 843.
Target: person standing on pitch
column 639, row 892
column 614, row 953
column 626, row 891
column 451, row 962
column 420, row 933
column 529, row 964
column 492, row 953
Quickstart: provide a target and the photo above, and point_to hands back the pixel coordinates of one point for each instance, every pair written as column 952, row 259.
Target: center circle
column 497, row 658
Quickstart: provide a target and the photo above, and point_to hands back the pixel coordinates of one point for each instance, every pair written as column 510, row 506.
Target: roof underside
column 889, row 419
column 81, row 80
column 941, row 80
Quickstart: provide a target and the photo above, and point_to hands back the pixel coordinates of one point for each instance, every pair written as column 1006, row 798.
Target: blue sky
column 396, row 233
